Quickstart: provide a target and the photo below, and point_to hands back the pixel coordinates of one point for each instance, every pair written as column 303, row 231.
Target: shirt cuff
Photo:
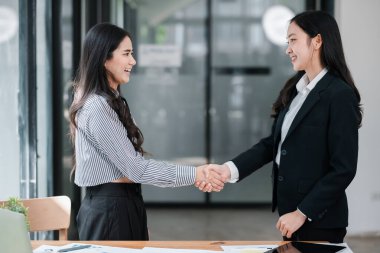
column 303, row 214
column 234, row 172
column 185, row 175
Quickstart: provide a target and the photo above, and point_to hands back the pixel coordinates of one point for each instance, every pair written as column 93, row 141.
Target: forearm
column 163, row 174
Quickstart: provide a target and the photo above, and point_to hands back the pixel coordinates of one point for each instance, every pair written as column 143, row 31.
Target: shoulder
column 97, row 108
column 94, row 101
column 337, row 87
column 336, row 84
column 96, row 104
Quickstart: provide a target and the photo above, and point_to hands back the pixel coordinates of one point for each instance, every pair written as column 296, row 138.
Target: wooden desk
column 206, row 245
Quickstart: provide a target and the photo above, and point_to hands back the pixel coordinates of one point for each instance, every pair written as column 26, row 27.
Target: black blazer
column 318, row 156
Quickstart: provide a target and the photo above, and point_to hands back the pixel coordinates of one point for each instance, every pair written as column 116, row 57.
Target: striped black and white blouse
column 104, row 153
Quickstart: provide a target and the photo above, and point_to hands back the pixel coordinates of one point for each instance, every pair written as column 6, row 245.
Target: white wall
column 9, row 83
column 359, row 23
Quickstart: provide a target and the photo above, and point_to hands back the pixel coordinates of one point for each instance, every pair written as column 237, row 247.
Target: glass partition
column 248, row 71
column 169, row 93
column 166, row 91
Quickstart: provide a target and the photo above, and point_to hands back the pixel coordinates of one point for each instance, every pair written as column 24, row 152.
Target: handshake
column 211, row 177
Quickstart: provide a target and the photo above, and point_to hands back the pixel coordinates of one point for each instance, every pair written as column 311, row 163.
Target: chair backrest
column 51, row 213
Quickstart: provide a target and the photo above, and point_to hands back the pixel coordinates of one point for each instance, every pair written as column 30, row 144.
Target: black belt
column 114, row 190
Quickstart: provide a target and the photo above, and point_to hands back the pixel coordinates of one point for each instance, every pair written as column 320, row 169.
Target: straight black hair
column 332, row 55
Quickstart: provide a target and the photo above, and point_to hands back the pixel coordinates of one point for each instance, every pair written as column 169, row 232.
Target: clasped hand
column 211, row 177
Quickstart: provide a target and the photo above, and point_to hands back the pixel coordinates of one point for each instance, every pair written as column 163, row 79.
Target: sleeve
column 110, row 137
column 234, row 172
column 255, row 157
column 343, row 153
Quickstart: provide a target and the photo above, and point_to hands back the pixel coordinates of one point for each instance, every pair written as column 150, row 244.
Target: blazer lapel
column 280, row 119
column 310, row 101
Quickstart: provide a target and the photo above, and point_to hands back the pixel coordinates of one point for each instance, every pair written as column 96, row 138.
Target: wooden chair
column 51, row 213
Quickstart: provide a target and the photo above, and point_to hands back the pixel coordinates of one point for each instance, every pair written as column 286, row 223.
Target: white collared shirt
column 304, row 87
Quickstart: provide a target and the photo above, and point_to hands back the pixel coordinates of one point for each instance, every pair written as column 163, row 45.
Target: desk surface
column 206, row 245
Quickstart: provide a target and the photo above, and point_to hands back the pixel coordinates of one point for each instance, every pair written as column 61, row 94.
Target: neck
column 315, row 67
column 313, row 71
column 112, row 83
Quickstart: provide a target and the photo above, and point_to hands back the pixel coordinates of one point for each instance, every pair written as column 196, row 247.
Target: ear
column 317, row 41
column 105, row 65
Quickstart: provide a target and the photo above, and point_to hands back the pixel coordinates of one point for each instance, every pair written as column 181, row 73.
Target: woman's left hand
column 290, row 222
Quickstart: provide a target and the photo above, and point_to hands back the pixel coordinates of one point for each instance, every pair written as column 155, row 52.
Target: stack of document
column 90, row 248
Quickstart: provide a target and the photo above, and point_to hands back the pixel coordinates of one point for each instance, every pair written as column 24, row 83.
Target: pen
column 78, row 247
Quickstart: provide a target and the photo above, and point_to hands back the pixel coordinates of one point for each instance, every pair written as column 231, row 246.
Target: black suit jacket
column 318, row 155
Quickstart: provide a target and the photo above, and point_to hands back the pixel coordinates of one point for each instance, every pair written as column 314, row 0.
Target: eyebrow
column 128, row 50
column 290, row 35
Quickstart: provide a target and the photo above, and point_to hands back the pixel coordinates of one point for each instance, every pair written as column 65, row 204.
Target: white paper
column 171, row 250
column 92, row 249
column 108, row 249
column 248, row 248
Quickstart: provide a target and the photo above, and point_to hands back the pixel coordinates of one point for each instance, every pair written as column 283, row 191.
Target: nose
column 132, row 61
column 288, row 50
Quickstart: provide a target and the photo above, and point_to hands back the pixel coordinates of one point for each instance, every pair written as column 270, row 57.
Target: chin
column 296, row 68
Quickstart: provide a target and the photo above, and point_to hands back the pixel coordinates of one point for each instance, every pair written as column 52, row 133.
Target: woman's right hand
column 210, row 179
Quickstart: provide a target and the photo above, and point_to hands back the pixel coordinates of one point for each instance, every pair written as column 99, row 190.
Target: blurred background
column 207, row 74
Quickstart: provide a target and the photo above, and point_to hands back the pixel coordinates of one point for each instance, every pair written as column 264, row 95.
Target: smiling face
column 119, row 66
column 304, row 51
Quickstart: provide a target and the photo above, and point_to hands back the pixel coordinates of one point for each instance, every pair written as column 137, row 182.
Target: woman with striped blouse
column 108, row 144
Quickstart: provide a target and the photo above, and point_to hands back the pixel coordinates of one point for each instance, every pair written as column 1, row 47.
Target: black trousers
column 113, row 211
column 309, row 233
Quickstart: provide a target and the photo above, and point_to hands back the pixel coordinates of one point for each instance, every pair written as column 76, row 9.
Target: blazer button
column 283, row 152
column 280, row 178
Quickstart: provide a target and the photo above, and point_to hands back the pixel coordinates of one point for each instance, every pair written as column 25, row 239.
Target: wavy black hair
column 91, row 78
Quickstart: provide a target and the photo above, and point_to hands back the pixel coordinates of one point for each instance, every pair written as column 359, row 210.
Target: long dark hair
column 332, row 55
column 91, row 78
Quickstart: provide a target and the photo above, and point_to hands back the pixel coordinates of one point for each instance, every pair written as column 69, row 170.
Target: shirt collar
column 304, row 85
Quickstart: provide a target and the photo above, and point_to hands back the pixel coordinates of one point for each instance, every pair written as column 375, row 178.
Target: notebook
column 14, row 236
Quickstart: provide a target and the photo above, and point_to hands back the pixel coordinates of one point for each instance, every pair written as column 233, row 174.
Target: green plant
column 16, row 205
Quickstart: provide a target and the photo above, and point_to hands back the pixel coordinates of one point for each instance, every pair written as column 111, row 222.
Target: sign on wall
column 151, row 55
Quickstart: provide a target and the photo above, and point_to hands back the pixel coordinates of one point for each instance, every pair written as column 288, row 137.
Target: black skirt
column 113, row 211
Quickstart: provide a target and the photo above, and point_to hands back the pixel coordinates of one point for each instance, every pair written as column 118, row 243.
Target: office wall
column 358, row 22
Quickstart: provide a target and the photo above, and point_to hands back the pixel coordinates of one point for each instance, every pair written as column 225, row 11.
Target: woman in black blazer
column 314, row 138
